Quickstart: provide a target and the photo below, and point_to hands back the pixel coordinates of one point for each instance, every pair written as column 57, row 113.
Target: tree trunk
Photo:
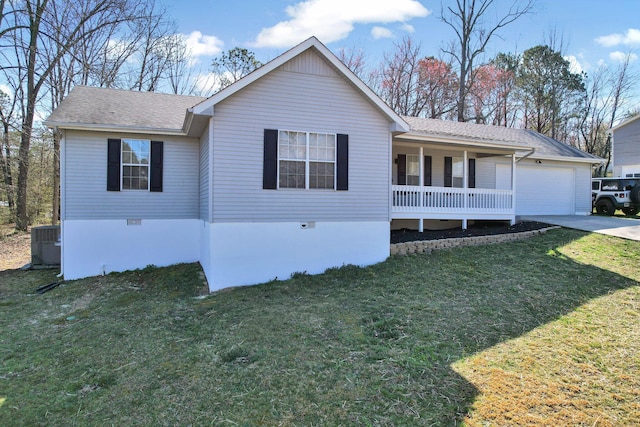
column 6, row 169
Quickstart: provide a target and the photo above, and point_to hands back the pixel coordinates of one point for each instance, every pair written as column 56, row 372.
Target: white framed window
column 413, row 169
column 306, row 160
column 136, row 154
column 457, row 172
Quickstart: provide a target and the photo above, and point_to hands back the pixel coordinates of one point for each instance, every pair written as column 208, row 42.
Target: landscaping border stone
column 428, row 246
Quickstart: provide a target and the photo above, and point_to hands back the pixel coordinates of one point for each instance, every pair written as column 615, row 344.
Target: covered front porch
column 452, row 180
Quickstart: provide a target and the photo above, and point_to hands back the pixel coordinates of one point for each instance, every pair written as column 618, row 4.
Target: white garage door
column 545, row 191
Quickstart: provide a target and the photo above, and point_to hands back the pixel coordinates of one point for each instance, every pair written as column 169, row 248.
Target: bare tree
column 38, row 51
column 355, row 60
column 153, row 53
column 607, row 90
column 180, row 74
column 468, row 19
column 399, row 78
column 7, row 119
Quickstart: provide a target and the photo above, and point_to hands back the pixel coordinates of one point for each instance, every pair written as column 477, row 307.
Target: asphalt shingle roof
column 116, row 108
column 122, row 109
column 526, row 138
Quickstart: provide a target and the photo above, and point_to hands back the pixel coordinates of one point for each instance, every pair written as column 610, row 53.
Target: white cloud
column 199, row 44
column 381, row 33
column 333, row 20
column 621, row 56
column 408, row 28
column 574, row 64
column 630, row 38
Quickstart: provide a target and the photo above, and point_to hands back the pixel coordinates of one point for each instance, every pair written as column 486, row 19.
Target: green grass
column 538, row 331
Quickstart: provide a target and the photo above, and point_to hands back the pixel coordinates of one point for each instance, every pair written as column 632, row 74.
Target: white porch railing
column 448, row 200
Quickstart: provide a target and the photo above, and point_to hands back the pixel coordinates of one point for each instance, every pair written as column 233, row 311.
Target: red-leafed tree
column 490, row 94
column 438, row 85
column 413, row 85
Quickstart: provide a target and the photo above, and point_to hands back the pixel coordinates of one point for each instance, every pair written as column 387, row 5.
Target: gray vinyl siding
column 485, row 167
column 86, row 195
column 305, row 97
column 626, row 145
column 486, row 170
column 204, row 175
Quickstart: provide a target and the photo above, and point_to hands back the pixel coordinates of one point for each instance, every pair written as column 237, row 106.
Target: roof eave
column 590, row 160
column 455, row 140
column 114, row 128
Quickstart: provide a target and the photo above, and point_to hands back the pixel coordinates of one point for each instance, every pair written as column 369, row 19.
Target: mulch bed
column 480, row 228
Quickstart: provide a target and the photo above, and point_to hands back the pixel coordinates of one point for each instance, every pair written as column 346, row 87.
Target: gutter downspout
column 533, row 150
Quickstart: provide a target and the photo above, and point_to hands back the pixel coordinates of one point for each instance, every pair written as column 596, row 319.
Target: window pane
column 135, row 151
column 413, row 165
column 331, row 153
column 321, row 175
column 135, row 177
column 291, row 174
column 284, row 137
column 292, row 145
column 457, row 166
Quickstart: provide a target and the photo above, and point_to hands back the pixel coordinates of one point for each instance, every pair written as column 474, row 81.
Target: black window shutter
column 472, row 173
column 402, row 169
column 270, row 167
column 113, row 165
column 427, row 170
column 342, row 162
column 155, row 183
column 448, row 172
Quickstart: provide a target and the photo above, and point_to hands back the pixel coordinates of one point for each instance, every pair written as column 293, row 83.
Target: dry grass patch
column 582, row 369
column 511, row 334
column 15, row 248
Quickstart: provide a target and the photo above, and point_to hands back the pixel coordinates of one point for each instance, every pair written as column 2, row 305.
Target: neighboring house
column 625, row 148
column 297, row 167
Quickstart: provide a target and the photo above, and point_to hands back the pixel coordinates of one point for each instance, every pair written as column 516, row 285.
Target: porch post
column 421, row 158
column 465, row 186
column 421, row 184
column 513, row 188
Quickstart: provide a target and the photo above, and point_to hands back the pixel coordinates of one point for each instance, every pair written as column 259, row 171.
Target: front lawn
column 537, row 332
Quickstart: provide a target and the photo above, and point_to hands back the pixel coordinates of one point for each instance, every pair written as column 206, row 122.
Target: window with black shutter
column 134, row 164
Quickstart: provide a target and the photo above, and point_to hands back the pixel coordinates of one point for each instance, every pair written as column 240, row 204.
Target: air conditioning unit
column 45, row 245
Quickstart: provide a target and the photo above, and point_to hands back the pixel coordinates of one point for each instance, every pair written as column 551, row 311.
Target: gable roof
column 206, row 107
column 519, row 140
column 108, row 109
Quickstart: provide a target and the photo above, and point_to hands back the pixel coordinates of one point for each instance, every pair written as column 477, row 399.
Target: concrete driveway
column 627, row 228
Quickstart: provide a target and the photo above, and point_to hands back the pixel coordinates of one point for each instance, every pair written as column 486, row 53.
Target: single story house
column 625, row 148
column 297, row 167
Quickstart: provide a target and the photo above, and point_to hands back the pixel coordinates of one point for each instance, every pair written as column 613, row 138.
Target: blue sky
column 593, row 31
